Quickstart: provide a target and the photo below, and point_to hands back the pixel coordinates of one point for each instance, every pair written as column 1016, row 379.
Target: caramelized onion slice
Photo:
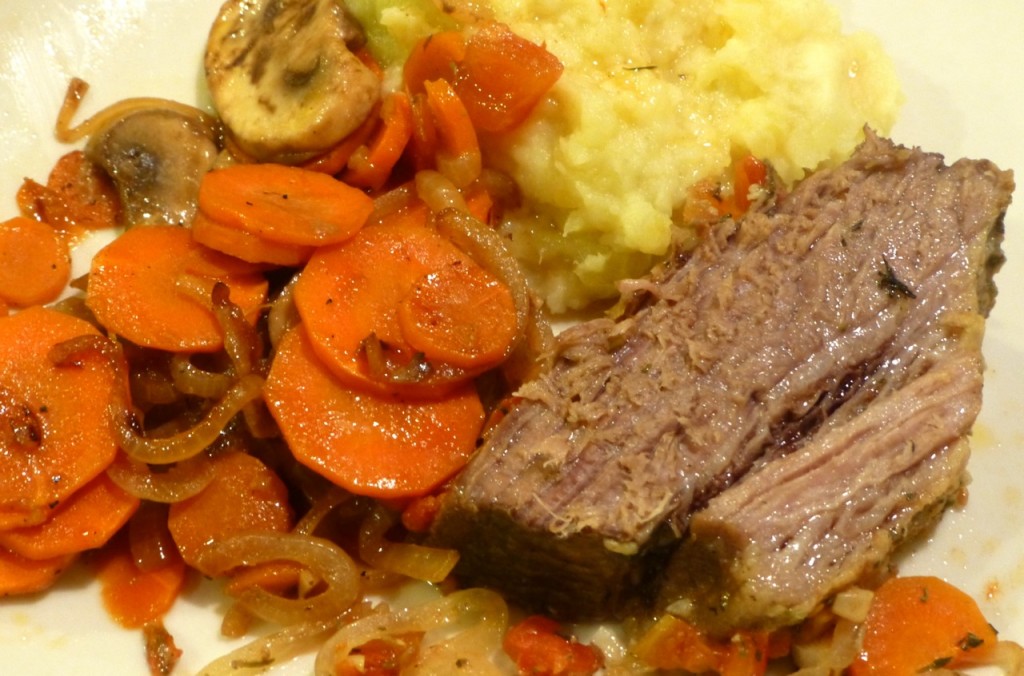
column 430, row 564
column 149, row 539
column 463, row 628
column 488, row 250
column 197, row 382
column 260, row 654
column 324, row 559
column 190, row 442
column 76, row 91
column 438, row 191
column 333, row 498
column 241, row 341
column 172, row 483
column 282, row 315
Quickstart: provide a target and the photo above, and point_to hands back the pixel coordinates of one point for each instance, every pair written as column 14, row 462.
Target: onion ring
column 430, row 564
column 488, row 250
column 172, row 484
column 472, row 621
column 192, row 380
column 324, row 559
column 77, row 90
column 258, row 655
column 190, row 442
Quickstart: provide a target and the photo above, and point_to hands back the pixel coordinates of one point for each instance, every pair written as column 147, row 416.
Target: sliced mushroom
column 283, row 78
column 156, row 159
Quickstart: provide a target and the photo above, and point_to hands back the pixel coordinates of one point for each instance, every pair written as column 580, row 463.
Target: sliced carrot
column 136, row 597
column 674, row 644
column 503, row 76
column 434, row 57
column 479, row 202
column 459, row 314
column 87, row 520
column 55, row 434
column 920, row 623
column 418, row 516
column 350, row 293
column 382, row 446
column 747, row 173
column 423, row 143
column 134, row 289
column 336, row 159
column 458, row 151
column 370, row 166
column 499, row 76
column 245, row 245
column 35, row 263
column 19, row 575
column 284, row 204
column 537, row 647
column 77, row 194
column 245, row 496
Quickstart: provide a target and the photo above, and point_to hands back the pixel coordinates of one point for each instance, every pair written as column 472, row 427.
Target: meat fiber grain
column 798, row 335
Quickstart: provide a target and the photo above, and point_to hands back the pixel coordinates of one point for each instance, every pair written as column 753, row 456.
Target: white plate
column 961, row 65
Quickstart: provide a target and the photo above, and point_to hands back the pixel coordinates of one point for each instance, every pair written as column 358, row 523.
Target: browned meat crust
column 778, row 357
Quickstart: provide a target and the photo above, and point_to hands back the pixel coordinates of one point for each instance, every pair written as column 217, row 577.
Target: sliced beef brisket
column 826, row 349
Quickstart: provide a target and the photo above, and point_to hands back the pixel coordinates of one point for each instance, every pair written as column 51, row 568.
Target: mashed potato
column 657, row 95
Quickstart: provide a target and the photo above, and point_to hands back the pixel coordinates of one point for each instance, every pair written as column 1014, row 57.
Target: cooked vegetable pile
column 308, row 314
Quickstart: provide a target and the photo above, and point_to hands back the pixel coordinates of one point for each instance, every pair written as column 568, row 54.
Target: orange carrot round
column 377, row 445
column 87, row 520
column 19, row 575
column 350, row 292
column 134, row 289
column 458, row 151
column 284, row 204
column 245, row 496
column 459, row 314
column 136, row 597
column 370, row 165
column 55, row 434
column 675, row 644
column 336, row 159
column 245, row 245
column 422, row 149
column 499, row 76
column 434, row 57
column 35, row 263
column 78, row 194
column 537, row 647
column 921, row 623
column 503, row 76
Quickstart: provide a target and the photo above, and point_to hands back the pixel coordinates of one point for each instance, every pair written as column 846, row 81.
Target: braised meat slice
column 827, row 339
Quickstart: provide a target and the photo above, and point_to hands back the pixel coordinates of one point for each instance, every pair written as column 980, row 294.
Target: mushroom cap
column 156, row 159
column 283, row 78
